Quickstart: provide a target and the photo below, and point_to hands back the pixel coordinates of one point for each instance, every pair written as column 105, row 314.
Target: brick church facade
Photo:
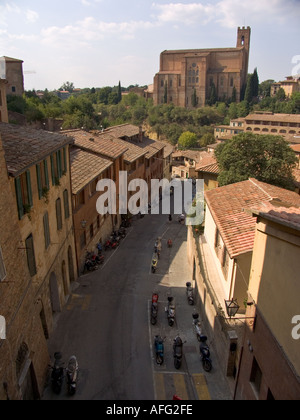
column 186, row 77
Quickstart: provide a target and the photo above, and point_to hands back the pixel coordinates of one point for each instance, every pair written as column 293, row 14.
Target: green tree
column 264, row 157
column 69, row 86
column 187, row 140
column 119, row 92
column 166, row 93
column 194, row 99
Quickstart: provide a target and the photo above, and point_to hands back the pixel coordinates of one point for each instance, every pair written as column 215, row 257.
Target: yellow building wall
column 275, row 285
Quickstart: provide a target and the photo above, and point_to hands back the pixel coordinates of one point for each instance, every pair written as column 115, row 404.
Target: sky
column 97, row 43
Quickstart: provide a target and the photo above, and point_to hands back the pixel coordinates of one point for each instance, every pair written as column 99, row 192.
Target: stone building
column 270, row 365
column 39, row 174
column 186, row 77
column 23, row 352
column 13, row 70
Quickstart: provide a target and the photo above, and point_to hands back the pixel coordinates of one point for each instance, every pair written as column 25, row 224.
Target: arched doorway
column 54, row 294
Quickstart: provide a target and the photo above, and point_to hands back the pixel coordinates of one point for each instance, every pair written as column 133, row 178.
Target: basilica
column 187, row 77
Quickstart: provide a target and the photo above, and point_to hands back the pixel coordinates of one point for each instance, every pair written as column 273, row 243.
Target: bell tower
column 243, row 38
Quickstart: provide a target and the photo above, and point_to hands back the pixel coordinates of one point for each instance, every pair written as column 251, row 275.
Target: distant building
column 13, row 69
column 186, row 77
column 290, row 86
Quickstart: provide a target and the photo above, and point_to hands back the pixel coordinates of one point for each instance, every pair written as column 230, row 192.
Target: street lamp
column 232, row 307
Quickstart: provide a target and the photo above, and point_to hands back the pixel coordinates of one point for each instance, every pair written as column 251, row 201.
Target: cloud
column 229, row 13
column 31, row 16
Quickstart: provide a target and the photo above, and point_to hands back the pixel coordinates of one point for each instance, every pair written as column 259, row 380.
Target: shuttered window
column 23, row 193
column 46, row 230
column 58, row 214
column 30, row 255
column 66, row 204
column 42, row 178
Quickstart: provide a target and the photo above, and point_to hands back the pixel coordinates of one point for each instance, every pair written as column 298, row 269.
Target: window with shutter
column 58, row 214
column 46, row 230
column 30, row 255
column 66, row 204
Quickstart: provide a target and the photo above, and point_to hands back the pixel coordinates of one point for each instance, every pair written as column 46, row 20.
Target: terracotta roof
column 189, row 154
column 274, row 117
column 97, row 142
column 85, row 167
column 208, row 164
column 228, row 207
column 133, row 152
column 25, row 147
column 296, row 147
column 123, row 130
column 288, row 216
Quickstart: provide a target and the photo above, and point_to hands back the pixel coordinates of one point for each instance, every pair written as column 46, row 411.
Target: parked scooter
column 72, row 375
column 177, row 352
column 159, row 349
column 190, row 293
column 154, row 263
column 122, row 232
column 205, row 354
column 111, row 244
column 57, row 376
column 154, row 308
column 170, row 309
column 197, row 326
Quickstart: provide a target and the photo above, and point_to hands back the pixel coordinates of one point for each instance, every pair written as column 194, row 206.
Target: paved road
column 106, row 323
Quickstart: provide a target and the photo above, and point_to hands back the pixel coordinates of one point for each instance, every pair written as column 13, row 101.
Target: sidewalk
column 172, row 275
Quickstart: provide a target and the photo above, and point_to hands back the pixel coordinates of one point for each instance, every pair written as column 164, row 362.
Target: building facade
column 13, row 70
column 270, row 364
column 186, row 77
column 40, row 178
column 23, row 352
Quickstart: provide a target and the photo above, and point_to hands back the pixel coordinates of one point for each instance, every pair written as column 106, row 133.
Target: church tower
column 243, row 38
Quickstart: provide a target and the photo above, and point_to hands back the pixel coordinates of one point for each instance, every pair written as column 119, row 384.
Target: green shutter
column 39, row 180
column 52, row 170
column 19, row 197
column 46, row 174
column 28, row 181
column 66, row 204
column 46, row 230
column 58, row 159
column 65, row 161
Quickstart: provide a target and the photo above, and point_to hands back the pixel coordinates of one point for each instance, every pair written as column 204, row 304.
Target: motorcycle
column 154, row 308
column 170, row 243
column 197, row 326
column 111, row 244
column 122, row 233
column 190, row 293
column 157, row 247
column 170, row 309
column 159, row 349
column 57, row 376
column 205, row 354
column 154, row 263
column 72, row 375
column 177, row 352
column 92, row 262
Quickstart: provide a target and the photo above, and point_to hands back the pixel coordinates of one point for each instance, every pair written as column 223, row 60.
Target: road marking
column 159, row 384
column 201, row 387
column 180, row 387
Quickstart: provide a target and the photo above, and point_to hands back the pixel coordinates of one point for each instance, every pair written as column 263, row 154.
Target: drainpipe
column 233, row 276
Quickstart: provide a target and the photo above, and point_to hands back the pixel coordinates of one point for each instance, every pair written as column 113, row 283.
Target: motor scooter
column 205, row 354
column 57, row 375
column 154, row 263
column 170, row 310
column 177, row 352
column 72, row 375
column 197, row 326
column 190, row 293
column 170, row 243
column 154, row 308
column 159, row 349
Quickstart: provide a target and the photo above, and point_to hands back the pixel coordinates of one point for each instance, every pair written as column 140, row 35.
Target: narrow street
column 106, row 323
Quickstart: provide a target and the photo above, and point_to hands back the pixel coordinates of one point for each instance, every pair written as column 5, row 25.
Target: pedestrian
column 170, row 218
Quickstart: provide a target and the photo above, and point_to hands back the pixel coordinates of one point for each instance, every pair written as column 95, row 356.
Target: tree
column 264, row 157
column 233, row 97
column 212, row 95
column 187, row 140
column 166, row 93
column 69, row 86
column 194, row 99
column 119, row 93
